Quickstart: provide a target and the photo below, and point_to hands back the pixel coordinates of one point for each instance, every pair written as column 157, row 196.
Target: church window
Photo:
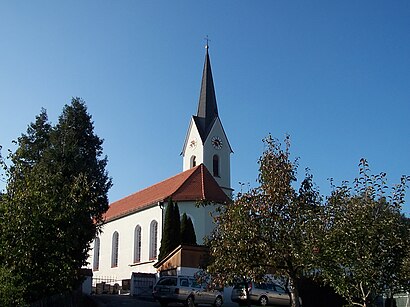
column 137, row 244
column 96, row 260
column 193, row 161
column 153, row 240
column 216, row 166
column 114, row 249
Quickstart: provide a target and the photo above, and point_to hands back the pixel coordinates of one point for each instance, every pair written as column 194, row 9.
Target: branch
column 364, row 296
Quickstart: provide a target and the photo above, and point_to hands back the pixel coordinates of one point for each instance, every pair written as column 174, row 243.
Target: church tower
column 206, row 141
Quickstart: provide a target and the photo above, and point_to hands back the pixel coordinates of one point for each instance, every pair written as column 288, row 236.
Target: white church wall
column 125, row 227
column 224, row 179
column 203, row 222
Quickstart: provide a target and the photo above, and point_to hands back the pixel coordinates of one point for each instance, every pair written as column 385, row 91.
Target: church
column 131, row 234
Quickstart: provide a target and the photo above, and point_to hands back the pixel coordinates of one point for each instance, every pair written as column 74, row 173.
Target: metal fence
column 142, row 286
column 106, row 285
column 112, row 280
column 402, row 299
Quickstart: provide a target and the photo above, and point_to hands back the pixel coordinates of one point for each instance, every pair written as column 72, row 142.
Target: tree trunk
column 294, row 292
column 248, row 299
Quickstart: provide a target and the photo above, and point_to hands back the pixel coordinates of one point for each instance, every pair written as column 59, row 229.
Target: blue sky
column 335, row 75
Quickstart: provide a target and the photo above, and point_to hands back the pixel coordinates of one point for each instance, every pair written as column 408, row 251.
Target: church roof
column 195, row 184
column 207, row 107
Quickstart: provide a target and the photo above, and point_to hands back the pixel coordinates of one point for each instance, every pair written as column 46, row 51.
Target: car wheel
column 218, row 302
column 263, row 301
column 190, row 302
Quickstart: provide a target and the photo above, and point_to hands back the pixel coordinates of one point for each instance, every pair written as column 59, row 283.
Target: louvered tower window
column 215, row 166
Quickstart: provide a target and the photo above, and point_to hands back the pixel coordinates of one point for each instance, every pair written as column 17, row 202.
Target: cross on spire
column 207, row 42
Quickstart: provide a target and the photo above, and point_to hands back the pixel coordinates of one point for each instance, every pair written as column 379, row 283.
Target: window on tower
column 216, row 166
column 193, row 161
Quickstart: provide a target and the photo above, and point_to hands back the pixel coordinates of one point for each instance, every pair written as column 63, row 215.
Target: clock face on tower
column 216, row 142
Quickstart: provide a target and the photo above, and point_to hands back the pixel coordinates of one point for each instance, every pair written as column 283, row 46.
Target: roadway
column 107, row 300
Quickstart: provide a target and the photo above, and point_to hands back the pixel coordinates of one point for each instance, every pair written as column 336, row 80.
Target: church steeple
column 206, row 141
column 207, row 107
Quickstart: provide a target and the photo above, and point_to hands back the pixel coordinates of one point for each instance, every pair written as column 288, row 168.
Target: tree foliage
column 270, row 229
column 171, row 237
column 357, row 242
column 55, row 198
column 187, row 231
column 366, row 242
column 177, row 230
column 12, row 288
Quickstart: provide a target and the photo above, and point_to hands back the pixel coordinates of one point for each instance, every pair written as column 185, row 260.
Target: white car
column 262, row 294
column 185, row 290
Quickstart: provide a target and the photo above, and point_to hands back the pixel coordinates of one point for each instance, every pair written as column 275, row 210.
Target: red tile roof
column 194, row 184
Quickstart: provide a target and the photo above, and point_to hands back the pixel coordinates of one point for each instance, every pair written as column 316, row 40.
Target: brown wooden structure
column 189, row 256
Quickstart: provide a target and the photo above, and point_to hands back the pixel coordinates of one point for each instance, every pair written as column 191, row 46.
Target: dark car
column 185, row 290
column 262, row 294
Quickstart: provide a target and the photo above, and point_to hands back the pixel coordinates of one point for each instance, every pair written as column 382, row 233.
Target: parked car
column 262, row 294
column 185, row 290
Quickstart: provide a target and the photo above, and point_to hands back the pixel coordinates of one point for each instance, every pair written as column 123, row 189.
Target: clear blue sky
column 335, row 75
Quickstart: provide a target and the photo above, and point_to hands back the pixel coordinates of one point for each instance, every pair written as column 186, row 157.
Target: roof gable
column 195, row 184
column 200, row 186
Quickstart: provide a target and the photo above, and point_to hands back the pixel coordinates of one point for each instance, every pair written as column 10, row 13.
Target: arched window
column 216, row 166
column 137, row 244
column 96, row 260
column 153, row 240
column 114, row 250
column 193, row 161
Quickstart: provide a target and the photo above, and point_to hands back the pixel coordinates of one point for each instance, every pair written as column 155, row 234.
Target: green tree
column 55, row 197
column 270, row 229
column 366, row 242
column 12, row 288
column 166, row 238
column 187, row 231
column 404, row 275
column 176, row 223
column 171, row 232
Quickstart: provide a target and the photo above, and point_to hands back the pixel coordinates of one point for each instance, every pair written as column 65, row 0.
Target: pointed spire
column 207, row 108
